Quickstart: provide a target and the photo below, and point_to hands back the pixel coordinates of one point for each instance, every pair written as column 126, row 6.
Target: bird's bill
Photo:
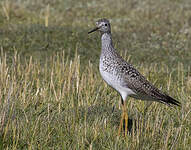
column 93, row 30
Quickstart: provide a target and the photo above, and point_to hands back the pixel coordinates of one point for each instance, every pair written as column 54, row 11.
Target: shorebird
column 123, row 77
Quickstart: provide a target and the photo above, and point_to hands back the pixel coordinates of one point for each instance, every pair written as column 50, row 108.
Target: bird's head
column 102, row 25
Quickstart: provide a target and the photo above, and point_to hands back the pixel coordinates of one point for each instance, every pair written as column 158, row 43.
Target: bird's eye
column 105, row 24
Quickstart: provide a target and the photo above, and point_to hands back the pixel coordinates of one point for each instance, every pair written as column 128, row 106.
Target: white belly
column 115, row 83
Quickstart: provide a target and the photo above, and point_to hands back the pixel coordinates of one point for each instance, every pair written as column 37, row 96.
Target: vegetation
column 51, row 92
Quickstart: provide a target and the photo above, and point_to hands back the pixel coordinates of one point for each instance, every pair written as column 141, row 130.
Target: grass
column 51, row 92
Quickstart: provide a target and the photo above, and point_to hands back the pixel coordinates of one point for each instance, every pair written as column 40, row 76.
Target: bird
column 123, row 77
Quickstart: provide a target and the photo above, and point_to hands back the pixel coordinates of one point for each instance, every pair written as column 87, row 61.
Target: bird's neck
column 106, row 42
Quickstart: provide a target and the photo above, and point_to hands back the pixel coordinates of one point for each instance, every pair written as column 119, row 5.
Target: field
column 52, row 95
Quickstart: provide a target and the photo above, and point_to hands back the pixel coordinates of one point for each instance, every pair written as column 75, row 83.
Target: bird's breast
column 114, row 80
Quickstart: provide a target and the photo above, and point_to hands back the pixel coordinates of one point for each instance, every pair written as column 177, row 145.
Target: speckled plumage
column 121, row 75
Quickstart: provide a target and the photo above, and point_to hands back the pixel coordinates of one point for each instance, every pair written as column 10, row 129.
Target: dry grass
column 59, row 106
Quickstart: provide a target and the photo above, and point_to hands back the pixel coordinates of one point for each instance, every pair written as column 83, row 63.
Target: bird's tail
column 170, row 101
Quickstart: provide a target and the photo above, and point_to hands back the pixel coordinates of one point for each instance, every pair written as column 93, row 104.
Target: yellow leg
column 123, row 116
column 121, row 124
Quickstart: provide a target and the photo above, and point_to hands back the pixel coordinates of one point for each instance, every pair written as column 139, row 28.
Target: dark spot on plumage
column 124, row 68
column 134, row 75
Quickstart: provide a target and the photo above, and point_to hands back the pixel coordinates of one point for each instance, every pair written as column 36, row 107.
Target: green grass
column 51, row 93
